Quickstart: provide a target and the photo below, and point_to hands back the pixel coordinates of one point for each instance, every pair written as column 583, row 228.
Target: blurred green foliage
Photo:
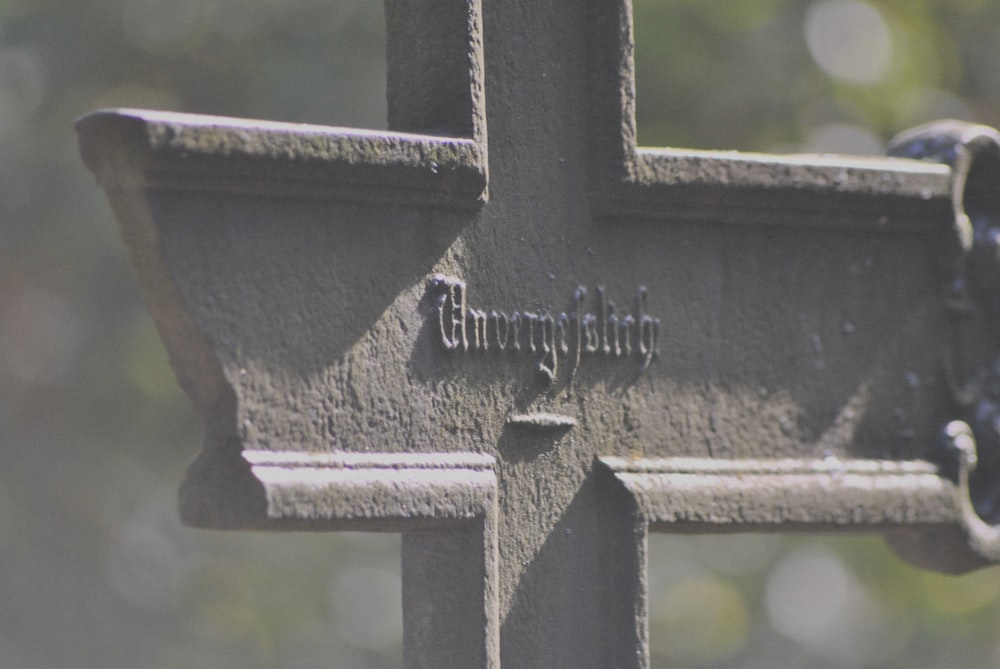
column 95, row 570
column 784, row 75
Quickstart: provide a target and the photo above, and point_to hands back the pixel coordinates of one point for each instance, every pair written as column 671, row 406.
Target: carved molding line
column 345, row 491
column 434, row 154
column 814, row 191
column 828, row 494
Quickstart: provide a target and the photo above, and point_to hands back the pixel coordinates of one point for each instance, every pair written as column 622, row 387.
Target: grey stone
column 507, row 332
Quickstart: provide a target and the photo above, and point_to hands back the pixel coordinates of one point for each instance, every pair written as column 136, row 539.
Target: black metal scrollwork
column 971, row 351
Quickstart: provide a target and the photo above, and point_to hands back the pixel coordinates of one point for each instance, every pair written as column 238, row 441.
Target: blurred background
column 95, row 570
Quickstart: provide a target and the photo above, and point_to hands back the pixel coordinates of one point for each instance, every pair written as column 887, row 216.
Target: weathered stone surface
column 525, row 342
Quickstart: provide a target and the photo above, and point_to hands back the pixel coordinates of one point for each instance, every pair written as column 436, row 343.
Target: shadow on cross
column 775, row 339
column 350, row 262
column 766, row 334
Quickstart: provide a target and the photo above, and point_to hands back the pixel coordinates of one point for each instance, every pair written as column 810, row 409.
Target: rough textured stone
column 409, row 332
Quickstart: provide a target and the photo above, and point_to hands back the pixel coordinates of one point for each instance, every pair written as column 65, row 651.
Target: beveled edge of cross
column 698, row 493
column 435, row 153
column 136, row 148
column 683, row 184
column 339, row 490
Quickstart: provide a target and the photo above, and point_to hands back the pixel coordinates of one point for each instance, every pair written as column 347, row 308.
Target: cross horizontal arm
column 343, row 491
column 807, row 190
column 779, row 495
column 191, row 152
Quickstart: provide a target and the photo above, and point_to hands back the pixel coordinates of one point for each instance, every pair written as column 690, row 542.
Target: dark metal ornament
column 971, row 351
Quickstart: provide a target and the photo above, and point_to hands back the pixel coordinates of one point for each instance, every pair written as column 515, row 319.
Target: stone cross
column 503, row 330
